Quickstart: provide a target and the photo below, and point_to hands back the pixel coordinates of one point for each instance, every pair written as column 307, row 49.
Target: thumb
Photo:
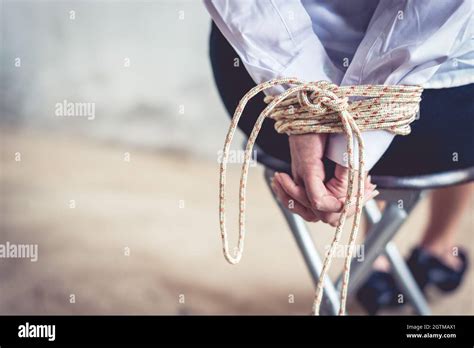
column 318, row 196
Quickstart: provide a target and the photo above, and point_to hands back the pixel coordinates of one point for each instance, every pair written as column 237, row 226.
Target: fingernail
column 369, row 177
column 375, row 193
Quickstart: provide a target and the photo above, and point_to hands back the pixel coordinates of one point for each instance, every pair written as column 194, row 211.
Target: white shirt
column 423, row 42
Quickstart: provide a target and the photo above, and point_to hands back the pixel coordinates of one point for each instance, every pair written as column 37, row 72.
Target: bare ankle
column 381, row 264
column 446, row 252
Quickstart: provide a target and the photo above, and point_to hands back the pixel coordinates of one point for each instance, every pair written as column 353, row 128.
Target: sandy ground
column 162, row 208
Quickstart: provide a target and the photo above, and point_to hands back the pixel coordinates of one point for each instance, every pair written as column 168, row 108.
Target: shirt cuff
column 376, row 143
column 310, row 64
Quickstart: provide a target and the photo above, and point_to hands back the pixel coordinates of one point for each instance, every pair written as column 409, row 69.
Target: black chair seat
column 427, row 181
column 418, row 182
column 270, row 162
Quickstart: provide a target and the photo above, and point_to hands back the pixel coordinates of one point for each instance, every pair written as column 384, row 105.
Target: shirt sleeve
column 405, row 43
column 274, row 39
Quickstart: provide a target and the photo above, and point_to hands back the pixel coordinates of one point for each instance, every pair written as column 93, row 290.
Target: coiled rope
column 322, row 107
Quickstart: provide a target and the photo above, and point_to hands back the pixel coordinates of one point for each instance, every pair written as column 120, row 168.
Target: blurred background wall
column 143, row 63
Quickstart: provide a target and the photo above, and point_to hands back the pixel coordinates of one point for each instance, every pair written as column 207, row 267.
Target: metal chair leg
column 384, row 227
column 379, row 235
column 330, row 304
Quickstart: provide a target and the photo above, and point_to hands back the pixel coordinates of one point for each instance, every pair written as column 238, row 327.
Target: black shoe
column 429, row 270
column 379, row 291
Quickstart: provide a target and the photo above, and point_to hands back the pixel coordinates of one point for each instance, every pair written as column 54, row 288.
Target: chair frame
column 383, row 227
column 401, row 195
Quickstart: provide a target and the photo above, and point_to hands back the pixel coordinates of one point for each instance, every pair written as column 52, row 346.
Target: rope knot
column 319, row 97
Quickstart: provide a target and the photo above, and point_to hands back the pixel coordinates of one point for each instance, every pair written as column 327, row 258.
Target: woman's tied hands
column 306, row 194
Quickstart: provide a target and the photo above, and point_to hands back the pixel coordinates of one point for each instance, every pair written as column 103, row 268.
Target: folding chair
column 401, row 195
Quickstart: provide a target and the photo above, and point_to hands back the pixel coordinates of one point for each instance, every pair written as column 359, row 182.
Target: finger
column 368, row 194
column 291, row 204
column 340, row 180
column 337, row 190
column 333, row 218
column 368, row 189
column 293, row 190
column 318, row 196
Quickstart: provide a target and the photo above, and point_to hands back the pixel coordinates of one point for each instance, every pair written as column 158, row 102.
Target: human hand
column 306, row 194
